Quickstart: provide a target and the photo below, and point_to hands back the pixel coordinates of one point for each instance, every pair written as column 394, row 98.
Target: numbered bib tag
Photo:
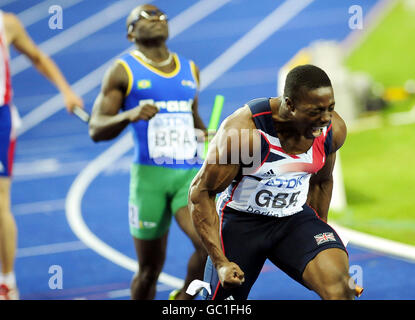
column 279, row 196
column 172, row 136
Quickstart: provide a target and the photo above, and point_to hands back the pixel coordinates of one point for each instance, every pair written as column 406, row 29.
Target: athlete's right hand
column 144, row 112
column 230, row 275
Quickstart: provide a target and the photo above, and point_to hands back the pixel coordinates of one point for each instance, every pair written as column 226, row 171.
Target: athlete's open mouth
column 317, row 131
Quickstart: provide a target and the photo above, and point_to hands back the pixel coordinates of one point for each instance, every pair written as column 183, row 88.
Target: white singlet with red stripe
column 279, row 187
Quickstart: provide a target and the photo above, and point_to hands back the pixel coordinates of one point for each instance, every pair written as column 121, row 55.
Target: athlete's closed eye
column 314, row 112
column 318, row 110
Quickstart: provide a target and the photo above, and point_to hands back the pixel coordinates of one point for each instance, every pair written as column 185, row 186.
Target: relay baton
column 214, row 118
column 358, row 291
column 81, row 114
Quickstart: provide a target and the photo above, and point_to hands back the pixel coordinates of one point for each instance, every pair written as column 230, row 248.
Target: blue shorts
column 288, row 242
column 7, row 144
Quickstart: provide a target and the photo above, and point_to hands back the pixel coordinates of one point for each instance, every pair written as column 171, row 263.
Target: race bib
column 172, row 136
column 279, row 196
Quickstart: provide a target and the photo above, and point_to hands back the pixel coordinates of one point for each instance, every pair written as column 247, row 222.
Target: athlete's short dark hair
column 305, row 76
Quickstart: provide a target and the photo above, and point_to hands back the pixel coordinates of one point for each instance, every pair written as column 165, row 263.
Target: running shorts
column 7, row 143
column 288, row 242
column 156, row 194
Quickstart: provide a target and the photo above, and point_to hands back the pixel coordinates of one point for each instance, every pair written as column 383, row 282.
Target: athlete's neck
column 154, row 50
column 282, row 116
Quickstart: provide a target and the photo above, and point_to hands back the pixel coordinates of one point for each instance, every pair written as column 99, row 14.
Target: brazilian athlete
column 154, row 90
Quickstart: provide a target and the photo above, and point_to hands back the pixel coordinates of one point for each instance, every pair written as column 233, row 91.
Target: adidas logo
column 270, row 173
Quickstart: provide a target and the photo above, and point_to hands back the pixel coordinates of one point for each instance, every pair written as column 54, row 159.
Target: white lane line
column 36, row 167
column 377, row 244
column 58, row 143
column 127, row 293
column 6, row 2
column 74, row 198
column 245, row 78
column 402, row 118
column 78, row 32
column 93, row 78
column 377, row 121
column 123, row 293
column 194, row 14
column 262, row 31
column 46, row 206
column 51, row 167
column 117, row 150
column 46, row 169
column 50, row 249
column 41, row 10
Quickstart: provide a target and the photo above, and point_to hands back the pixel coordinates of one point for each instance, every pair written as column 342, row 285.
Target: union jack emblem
column 324, row 237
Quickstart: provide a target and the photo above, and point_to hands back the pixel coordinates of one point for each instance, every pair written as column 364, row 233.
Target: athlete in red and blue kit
column 13, row 33
column 7, row 139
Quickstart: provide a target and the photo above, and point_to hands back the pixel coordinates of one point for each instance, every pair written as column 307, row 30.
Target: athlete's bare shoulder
column 13, row 26
column 10, row 20
column 236, row 133
column 116, row 77
column 339, row 131
column 240, row 119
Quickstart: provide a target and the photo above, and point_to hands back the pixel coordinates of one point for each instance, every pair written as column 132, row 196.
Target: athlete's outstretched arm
column 106, row 121
column 321, row 184
column 212, row 179
column 216, row 174
column 18, row 37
